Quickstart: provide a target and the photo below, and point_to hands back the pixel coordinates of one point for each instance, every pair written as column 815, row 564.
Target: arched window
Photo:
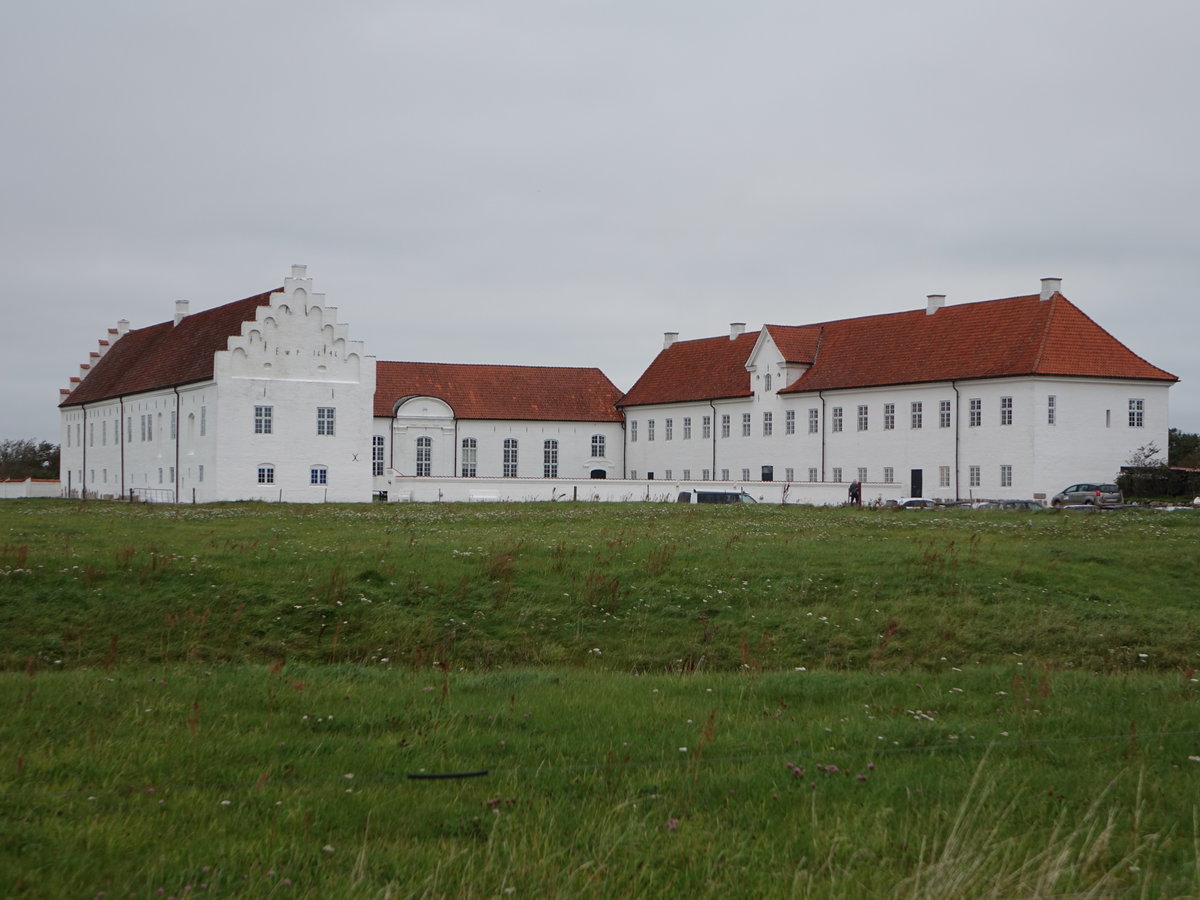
column 510, row 457
column 550, row 459
column 469, row 451
column 424, row 456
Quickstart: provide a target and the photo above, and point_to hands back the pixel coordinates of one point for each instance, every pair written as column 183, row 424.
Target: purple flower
column 672, row 824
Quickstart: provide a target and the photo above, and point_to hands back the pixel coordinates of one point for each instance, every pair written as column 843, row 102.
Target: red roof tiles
column 991, row 339
column 165, row 354
column 500, row 392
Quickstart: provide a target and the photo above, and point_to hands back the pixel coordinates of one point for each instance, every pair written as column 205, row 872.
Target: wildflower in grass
column 328, row 848
column 672, row 824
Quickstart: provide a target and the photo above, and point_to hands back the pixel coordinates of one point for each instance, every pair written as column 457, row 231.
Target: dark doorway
column 918, row 483
column 768, row 473
column 599, row 473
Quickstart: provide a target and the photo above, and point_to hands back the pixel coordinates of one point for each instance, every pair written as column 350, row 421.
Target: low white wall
column 15, row 490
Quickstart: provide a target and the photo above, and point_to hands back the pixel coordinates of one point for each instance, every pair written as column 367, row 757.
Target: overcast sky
column 553, row 182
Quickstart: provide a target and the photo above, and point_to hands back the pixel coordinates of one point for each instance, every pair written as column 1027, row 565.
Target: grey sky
column 558, row 183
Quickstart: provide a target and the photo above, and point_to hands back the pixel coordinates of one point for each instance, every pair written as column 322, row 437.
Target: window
column 91, row 434
column 812, row 474
column 470, row 450
column 704, row 474
column 917, row 414
column 725, row 425
column 837, row 473
column 377, row 454
column 318, row 475
column 203, row 421
column 668, row 429
column 1051, row 411
column 424, row 456
column 649, row 430
column 1006, row 476
column 768, row 423
column 889, row 475
column 129, row 430
column 814, row 421
column 325, row 420
column 767, row 382
column 862, row 475
column 889, row 416
column 266, row 474
column 687, row 428
column 789, row 474
column 1137, row 413
column 1006, row 410
column 745, row 474
column 174, row 425
column 263, row 416
column 160, row 475
column 745, row 424
column 687, row 474
column 633, row 473
column 973, row 476
column 667, row 475
column 837, row 419
column 974, row 413
column 789, row 422
column 944, row 414
column 510, row 458
column 598, row 446
column 944, row 476
column 706, row 427
column 633, row 432
column 170, row 474
column 550, row 457
column 201, row 472
column 862, row 417
column 724, row 474
column 142, row 423
column 104, row 431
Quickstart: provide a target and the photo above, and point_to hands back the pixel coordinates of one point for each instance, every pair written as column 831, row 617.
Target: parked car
column 1089, row 494
column 715, row 497
column 914, row 503
column 1030, row 505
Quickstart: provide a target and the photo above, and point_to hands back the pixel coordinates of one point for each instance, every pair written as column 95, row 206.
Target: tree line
column 28, row 459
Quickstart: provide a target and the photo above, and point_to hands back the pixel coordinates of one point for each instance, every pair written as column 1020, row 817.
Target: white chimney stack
column 299, row 271
column 1050, row 287
column 669, row 337
column 736, row 330
column 181, row 310
column 934, row 302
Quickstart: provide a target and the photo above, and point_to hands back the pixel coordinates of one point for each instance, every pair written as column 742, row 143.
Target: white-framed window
column 768, row 423
column 724, row 474
column 1006, row 410
column 687, row 428
column 944, row 476
column 862, row 475
column 325, row 420
column 943, row 413
column 160, row 475
column 917, row 413
column 266, row 474
column 889, row 416
column 812, row 473
column 264, row 419
column 974, row 412
column 973, row 476
column 91, row 434
column 889, row 475
column 1137, row 413
column 668, row 429
column 104, row 476
column 687, row 474
column 704, row 475
column 633, row 432
column 203, row 421
column 318, row 475
column 649, row 430
column 862, row 417
column 170, row 474
column 837, row 473
column 767, row 382
column 1006, row 476
column 142, row 423
column 1051, row 410
column 377, row 454
column 200, row 470
column 745, row 424
column 510, row 458
column 128, row 430
column 814, row 420
column 470, row 455
column 789, row 474
column 789, row 422
column 633, row 473
column 725, row 425
column 667, row 475
column 706, row 427
column 174, row 424
column 424, row 456
column 837, row 419
column 599, row 446
column 550, row 456
column 745, row 474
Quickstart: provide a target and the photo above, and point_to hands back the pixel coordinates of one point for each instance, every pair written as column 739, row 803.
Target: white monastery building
column 268, row 398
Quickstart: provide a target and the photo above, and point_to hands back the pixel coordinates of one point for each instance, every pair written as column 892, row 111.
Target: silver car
column 1089, row 494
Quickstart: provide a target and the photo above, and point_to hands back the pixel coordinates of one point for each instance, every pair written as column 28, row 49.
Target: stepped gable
column 703, row 369
column 538, row 393
column 166, row 354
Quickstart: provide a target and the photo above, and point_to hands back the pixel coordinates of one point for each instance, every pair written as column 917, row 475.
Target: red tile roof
column 991, row 339
column 165, row 354
column 501, row 392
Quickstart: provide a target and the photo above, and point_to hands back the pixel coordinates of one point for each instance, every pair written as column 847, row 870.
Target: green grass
column 726, row 702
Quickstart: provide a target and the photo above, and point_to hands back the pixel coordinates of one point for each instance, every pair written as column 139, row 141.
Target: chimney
column 181, row 310
column 736, row 330
column 934, row 302
column 669, row 337
column 1050, row 287
column 122, row 327
column 299, row 271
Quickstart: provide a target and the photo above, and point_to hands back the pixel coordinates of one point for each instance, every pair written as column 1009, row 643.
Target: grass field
column 253, row 701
